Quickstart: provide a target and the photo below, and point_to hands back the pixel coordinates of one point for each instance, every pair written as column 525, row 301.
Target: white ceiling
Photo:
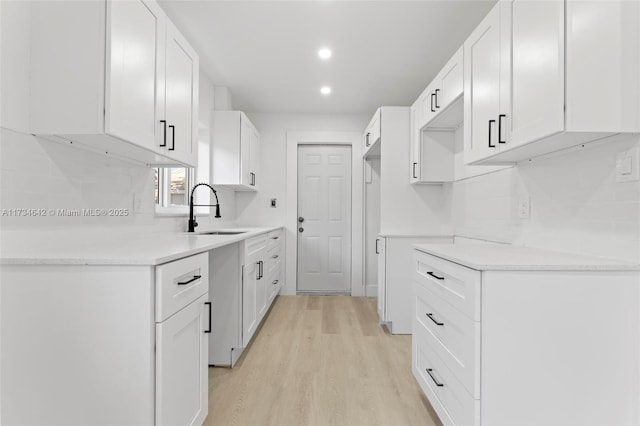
column 384, row 52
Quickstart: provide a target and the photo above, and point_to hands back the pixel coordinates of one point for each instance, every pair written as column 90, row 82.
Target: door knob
column 301, row 219
column 301, row 229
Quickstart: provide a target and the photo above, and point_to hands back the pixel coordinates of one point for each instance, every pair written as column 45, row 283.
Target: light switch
column 627, row 166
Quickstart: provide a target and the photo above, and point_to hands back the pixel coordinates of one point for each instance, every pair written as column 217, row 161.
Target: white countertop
column 507, row 257
column 151, row 248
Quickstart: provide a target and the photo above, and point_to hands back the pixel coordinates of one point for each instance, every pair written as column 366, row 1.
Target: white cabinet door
column 182, row 366
column 415, row 165
column 482, row 56
column 254, row 155
column 261, row 289
column 135, row 51
column 181, row 97
column 382, row 278
column 249, row 301
column 537, row 49
column 246, row 177
column 449, row 82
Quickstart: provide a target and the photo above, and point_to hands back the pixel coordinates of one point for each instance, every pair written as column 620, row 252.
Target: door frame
column 353, row 140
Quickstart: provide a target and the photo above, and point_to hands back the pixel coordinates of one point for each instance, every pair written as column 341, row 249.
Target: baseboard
column 371, row 290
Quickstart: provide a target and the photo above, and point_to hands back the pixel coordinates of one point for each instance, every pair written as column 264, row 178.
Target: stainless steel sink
column 223, row 233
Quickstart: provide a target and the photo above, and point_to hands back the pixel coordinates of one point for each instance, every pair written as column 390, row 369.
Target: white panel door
column 324, row 206
column 182, row 361
column 136, row 46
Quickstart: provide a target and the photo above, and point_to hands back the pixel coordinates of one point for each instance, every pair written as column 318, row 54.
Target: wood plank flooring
column 320, row 360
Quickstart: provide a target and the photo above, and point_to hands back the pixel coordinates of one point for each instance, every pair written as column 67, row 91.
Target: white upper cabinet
column 435, row 116
column 115, row 77
column 235, row 151
column 544, row 76
column 372, row 135
column 441, row 106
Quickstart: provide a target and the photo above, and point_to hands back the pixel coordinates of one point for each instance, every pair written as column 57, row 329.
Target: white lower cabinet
column 182, row 348
column 246, row 278
column 394, row 280
column 105, row 344
column 526, row 346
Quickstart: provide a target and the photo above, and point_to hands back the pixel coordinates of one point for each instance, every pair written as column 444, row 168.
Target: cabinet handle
column 432, row 95
column 253, row 179
column 173, row 137
column 164, row 124
column 377, row 252
column 500, row 117
column 491, row 121
column 260, row 269
column 432, row 319
column 275, row 282
column 437, row 106
column 429, row 370
column 209, row 330
column 435, row 276
column 276, row 238
column 195, row 277
column 367, row 136
column 414, row 170
column 274, row 256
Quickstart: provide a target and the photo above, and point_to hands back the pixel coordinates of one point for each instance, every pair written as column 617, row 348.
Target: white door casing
column 324, row 201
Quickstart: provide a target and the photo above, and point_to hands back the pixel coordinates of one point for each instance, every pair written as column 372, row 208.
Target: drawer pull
column 275, row 238
column 275, row 282
column 429, row 370
column 209, row 330
column 433, row 319
column 195, row 277
column 435, row 276
column 275, row 256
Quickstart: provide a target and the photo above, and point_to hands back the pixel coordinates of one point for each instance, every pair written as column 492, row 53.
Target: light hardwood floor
column 320, row 360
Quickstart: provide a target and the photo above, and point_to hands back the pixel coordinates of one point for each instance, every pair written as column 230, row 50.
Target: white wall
column 576, row 205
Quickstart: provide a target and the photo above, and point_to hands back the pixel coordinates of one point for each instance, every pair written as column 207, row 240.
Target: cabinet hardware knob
column 195, row 277
column 209, row 330
column 490, row 145
column 429, row 370
column 173, row 137
column 164, row 124
column 433, row 319
column 435, row 276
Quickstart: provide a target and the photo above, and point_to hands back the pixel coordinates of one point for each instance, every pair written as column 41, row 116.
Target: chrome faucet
column 192, row 219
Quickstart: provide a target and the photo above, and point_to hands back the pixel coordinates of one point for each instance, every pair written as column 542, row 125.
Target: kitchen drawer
column 274, row 283
column 179, row 283
column 459, row 407
column 274, row 259
column 274, row 239
column 455, row 284
column 454, row 336
column 254, row 248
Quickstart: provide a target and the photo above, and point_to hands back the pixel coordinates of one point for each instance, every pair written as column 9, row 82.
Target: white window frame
column 163, row 208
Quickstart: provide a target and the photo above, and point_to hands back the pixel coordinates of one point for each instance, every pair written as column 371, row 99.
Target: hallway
column 320, row 360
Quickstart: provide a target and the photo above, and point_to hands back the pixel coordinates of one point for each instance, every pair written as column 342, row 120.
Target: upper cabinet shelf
column 543, row 76
column 235, row 151
column 116, row 77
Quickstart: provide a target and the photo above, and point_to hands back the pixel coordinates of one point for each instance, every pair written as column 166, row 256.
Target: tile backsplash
column 575, row 203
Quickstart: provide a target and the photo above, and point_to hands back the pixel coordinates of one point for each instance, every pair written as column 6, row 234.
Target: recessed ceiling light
column 325, row 90
column 324, row 53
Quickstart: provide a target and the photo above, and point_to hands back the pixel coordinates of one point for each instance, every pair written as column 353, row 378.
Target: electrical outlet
column 627, row 166
column 524, row 208
column 273, row 202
